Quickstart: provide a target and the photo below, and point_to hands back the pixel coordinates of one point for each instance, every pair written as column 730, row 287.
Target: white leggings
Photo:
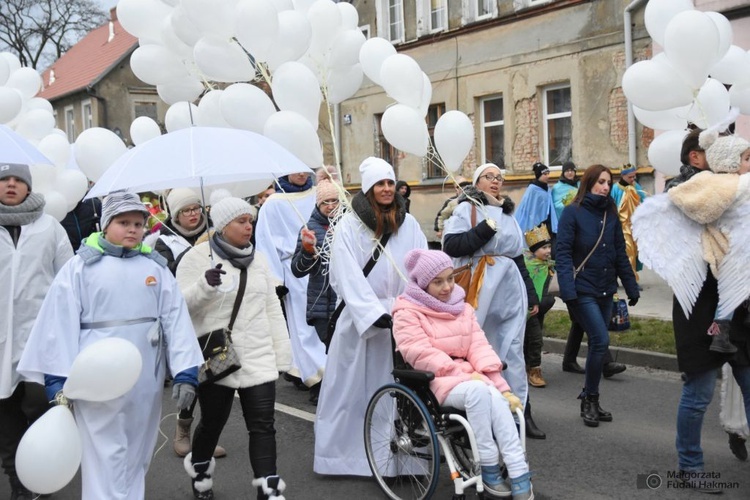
column 489, row 414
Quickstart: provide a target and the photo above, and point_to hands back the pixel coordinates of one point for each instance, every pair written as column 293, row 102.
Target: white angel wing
column 734, row 270
column 670, row 244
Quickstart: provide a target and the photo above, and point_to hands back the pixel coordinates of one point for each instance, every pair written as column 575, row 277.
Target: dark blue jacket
column 321, row 299
column 578, row 229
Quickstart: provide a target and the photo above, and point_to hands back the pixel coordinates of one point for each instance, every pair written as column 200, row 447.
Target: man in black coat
column 82, row 221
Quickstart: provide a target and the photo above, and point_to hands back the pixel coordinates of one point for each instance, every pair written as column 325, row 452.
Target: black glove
column 213, row 275
column 281, row 291
column 633, row 301
column 385, row 321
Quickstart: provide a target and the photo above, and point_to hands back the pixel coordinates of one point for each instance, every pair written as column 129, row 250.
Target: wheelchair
column 405, row 432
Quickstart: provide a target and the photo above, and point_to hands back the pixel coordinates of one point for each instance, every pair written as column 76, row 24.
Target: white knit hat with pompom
column 723, row 152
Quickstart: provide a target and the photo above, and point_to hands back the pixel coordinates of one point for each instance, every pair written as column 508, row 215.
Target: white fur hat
column 228, row 209
column 374, row 170
column 723, row 155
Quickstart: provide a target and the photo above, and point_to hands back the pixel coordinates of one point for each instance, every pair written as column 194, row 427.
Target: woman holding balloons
column 145, row 307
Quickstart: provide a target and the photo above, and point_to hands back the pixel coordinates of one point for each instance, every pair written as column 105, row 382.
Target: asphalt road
column 574, row 462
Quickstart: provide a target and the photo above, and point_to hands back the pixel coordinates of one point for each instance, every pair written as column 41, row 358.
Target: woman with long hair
column 360, row 358
column 590, row 257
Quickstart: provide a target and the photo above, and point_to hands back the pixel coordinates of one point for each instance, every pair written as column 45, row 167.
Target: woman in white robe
column 115, row 289
column 360, row 358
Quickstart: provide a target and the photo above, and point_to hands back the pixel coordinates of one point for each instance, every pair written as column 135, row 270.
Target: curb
column 625, row 355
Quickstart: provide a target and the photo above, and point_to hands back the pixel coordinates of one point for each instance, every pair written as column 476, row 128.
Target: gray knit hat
column 120, row 202
column 16, row 170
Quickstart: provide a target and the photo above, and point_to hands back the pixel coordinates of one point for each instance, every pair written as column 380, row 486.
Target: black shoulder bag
column 221, row 358
column 365, row 270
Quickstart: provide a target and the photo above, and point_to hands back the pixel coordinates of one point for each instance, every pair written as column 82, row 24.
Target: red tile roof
column 88, row 61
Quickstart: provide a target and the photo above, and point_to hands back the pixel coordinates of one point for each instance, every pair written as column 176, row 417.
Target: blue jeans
column 593, row 314
column 697, row 392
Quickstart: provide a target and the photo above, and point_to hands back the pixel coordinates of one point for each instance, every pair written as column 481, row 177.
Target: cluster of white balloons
column 49, row 453
column 674, row 87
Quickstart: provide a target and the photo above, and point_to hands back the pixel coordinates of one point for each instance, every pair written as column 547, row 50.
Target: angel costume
column 360, row 358
column 279, row 223
column 627, row 198
column 132, row 296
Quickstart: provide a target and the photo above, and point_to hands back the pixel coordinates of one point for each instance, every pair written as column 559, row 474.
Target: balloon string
column 166, row 438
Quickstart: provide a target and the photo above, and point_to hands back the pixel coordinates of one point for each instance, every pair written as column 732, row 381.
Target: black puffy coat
column 82, row 221
column 321, row 299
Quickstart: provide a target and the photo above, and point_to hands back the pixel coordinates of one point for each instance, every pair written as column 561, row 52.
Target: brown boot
column 535, row 377
column 182, row 445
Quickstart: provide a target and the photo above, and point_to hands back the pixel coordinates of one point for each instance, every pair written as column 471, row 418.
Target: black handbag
column 220, row 357
column 366, row 270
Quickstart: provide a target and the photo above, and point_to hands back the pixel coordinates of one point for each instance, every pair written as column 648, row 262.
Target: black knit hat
column 568, row 165
column 540, row 169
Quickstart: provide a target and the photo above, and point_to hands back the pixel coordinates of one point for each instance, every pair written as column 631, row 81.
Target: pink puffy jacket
column 451, row 347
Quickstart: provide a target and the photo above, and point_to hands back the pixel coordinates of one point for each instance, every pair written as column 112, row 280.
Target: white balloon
column 349, row 15
column 183, row 28
column 733, row 67
column 668, row 119
column 38, row 103
column 96, row 149
column 424, row 105
column 155, row 64
column 49, row 452
column 4, row 70
column 664, row 152
column 711, row 105
column 345, row 48
column 256, row 27
column 184, row 89
column 294, row 132
column 282, row 5
column 104, row 370
column 725, row 33
column 143, row 129
column 56, row 148
column 43, row 177
column 325, row 22
column 13, row 62
column 181, row 115
column 739, row 96
column 372, row 54
column 295, row 88
column 659, row 13
column 55, row 204
column 209, row 111
column 344, row 83
column 72, row 185
column 655, row 85
column 691, row 42
column 35, row 124
column 211, row 17
column 303, row 5
column 454, row 138
column 222, row 60
column 246, row 107
column 402, row 79
column 25, row 80
column 293, row 39
column 405, row 129
column 11, row 103
column 143, row 18
column 174, row 43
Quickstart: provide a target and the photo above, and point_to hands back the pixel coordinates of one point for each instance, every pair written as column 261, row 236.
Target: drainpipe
column 628, row 62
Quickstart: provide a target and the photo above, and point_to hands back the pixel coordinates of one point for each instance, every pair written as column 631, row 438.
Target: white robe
column 276, row 237
column 360, row 357
column 503, row 303
column 118, row 436
column 26, row 272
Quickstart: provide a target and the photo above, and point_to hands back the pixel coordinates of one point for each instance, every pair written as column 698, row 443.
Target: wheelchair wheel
column 401, row 445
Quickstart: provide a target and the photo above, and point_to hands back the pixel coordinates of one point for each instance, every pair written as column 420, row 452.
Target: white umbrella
column 198, row 156
column 15, row 149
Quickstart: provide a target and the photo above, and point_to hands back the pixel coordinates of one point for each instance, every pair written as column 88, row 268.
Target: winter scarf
column 284, row 186
column 541, row 185
column 570, row 182
column 185, row 233
column 472, row 193
column 454, row 306
column 539, row 271
column 24, row 213
column 241, row 258
column 361, row 206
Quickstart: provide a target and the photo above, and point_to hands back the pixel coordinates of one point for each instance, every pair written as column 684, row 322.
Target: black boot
column 270, row 487
column 201, row 475
column 612, row 368
column 590, row 409
column 532, row 431
column 720, row 343
column 18, row 491
column 737, row 445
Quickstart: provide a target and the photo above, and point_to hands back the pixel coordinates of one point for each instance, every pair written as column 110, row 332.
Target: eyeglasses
column 491, row 178
column 330, row 202
column 191, row 210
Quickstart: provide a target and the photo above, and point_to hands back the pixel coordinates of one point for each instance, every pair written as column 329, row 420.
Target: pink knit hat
column 424, row 265
column 325, row 190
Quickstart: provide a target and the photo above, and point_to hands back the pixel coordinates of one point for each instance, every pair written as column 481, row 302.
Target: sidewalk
column 655, row 303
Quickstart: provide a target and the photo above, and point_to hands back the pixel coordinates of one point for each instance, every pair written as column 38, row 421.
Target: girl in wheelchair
column 436, row 330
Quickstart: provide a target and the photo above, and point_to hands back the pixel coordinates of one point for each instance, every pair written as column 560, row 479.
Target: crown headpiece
column 537, row 237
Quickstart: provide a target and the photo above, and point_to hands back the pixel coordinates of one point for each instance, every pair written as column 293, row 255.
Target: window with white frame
column 70, row 124
column 528, row 4
column 365, row 29
column 478, row 10
column 145, row 107
column 390, row 16
column 491, row 114
column 87, row 117
column 432, row 16
column 558, row 124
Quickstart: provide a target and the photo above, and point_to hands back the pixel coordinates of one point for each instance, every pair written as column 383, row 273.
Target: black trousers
column 257, row 409
column 573, row 345
column 533, row 340
column 27, row 403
